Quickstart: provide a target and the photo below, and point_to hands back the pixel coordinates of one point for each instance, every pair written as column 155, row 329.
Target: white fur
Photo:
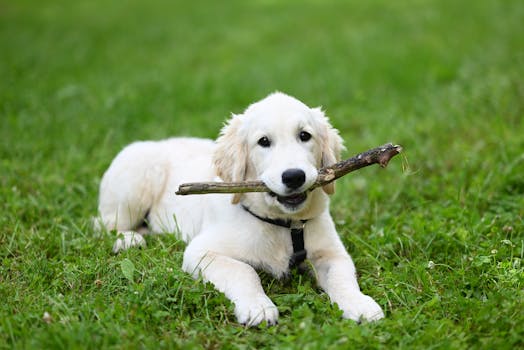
column 225, row 243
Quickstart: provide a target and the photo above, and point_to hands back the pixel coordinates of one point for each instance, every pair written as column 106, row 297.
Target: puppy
column 278, row 140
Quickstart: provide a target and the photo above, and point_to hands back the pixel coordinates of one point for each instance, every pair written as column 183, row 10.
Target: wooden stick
column 380, row 155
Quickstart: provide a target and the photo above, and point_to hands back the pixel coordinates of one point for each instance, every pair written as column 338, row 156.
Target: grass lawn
column 437, row 237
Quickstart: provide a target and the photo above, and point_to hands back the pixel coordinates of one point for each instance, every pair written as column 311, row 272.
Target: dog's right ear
column 230, row 158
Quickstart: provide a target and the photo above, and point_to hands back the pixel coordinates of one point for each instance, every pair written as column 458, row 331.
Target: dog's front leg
column 237, row 280
column 337, row 276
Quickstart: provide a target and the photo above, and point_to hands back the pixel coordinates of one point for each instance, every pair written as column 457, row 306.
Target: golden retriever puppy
column 278, row 140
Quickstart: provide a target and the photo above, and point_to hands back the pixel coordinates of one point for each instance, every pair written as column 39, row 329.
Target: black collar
column 297, row 236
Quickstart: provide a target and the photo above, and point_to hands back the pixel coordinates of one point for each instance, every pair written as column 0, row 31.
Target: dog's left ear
column 331, row 145
column 230, row 158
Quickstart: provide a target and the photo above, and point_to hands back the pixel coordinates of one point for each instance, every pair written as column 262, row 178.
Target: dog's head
column 282, row 142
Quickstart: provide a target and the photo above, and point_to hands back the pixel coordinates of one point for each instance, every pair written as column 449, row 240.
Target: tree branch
column 380, row 155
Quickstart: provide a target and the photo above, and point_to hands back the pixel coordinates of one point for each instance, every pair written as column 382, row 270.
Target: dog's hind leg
column 125, row 217
column 128, row 190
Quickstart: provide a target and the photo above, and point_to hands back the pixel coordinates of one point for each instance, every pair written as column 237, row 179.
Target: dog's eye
column 304, row 136
column 264, row 142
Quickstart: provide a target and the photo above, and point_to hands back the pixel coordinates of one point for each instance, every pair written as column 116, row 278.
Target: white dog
column 278, row 140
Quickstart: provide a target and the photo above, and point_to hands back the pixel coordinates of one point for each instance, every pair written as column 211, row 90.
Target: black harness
column 297, row 236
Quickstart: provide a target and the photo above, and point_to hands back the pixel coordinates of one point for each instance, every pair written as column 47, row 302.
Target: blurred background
column 82, row 79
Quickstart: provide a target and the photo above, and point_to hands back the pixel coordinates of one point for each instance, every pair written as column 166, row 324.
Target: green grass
column 437, row 237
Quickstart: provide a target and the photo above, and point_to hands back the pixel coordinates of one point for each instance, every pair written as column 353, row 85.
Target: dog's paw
column 127, row 240
column 253, row 311
column 361, row 307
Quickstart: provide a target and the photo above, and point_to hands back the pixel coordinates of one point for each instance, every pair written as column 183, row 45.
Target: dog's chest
column 273, row 250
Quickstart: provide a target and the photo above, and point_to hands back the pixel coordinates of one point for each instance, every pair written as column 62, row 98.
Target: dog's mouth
column 291, row 201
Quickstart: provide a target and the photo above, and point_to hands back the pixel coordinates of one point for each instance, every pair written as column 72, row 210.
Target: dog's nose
column 293, row 178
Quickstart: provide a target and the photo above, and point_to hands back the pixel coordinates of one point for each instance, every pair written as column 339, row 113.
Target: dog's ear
column 331, row 145
column 230, row 158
